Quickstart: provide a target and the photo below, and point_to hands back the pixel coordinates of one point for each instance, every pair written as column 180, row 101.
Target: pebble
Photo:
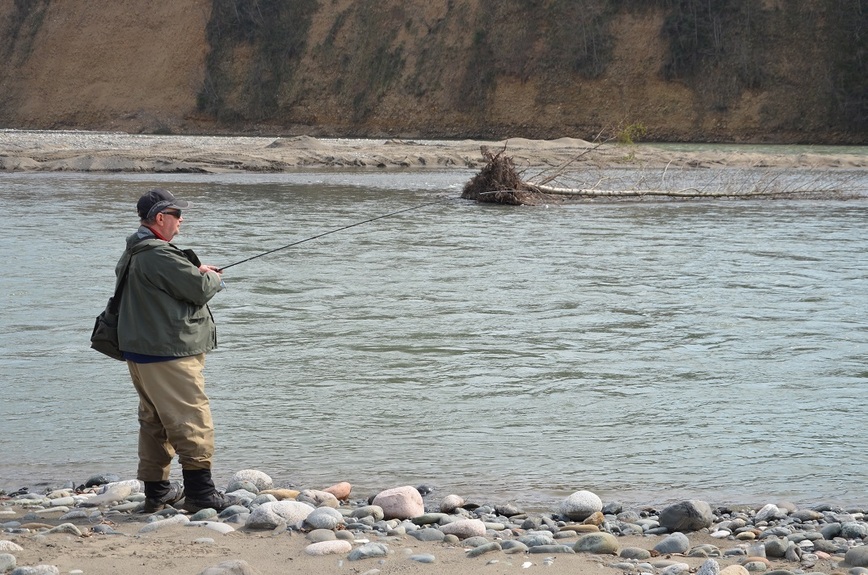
column 261, row 481
column 797, row 540
column 580, row 505
column 368, row 550
column 163, row 523
column 223, row 528
column 484, row 548
column 422, row 558
column 400, row 502
column 334, row 547
column 9, row 546
column 36, row 570
column 674, row 543
column 464, row 528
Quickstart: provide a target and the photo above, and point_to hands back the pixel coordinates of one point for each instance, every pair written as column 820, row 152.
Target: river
column 647, row 351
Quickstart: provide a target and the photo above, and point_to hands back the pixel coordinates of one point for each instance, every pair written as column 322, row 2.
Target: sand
column 192, row 550
column 120, row 152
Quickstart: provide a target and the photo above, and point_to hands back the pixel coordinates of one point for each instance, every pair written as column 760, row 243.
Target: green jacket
column 164, row 306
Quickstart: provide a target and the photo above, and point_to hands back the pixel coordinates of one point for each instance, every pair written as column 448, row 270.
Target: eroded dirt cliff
column 686, row 70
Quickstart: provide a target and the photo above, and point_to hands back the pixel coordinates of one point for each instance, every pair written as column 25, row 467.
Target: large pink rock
column 400, row 502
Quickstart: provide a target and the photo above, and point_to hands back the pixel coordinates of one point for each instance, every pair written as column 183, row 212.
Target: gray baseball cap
column 155, row 201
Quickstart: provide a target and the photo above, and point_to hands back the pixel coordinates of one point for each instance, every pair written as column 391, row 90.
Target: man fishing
column 165, row 328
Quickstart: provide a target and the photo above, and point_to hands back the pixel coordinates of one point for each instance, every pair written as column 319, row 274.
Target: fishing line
column 390, row 214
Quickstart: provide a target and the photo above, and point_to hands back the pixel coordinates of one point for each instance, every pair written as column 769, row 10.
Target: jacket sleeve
column 169, row 270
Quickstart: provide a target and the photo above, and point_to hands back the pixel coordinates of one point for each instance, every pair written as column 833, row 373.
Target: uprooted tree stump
column 498, row 182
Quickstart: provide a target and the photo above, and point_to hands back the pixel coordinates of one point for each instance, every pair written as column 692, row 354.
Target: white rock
column 710, row 567
column 581, row 505
column 676, row 569
column 135, row 486
column 272, row 514
column 212, row 525
column 7, row 562
column 231, row 567
column 770, row 511
column 112, row 493
column 450, row 503
column 6, row 545
column 163, row 523
column 329, row 547
column 261, row 480
column 38, row 570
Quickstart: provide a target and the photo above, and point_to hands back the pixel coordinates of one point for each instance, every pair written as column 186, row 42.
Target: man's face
column 168, row 222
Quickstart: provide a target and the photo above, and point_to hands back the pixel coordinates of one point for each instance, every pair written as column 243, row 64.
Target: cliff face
column 686, row 70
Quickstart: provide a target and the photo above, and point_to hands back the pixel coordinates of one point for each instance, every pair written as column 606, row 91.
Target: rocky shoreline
column 69, row 529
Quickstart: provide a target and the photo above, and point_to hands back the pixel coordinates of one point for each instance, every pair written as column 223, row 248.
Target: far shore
column 79, row 151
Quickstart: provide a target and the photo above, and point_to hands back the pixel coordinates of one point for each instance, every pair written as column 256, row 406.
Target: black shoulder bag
column 104, row 338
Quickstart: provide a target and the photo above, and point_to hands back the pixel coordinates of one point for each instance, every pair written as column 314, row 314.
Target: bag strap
column 119, row 290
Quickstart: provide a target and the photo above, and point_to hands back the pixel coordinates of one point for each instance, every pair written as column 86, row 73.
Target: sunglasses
column 175, row 213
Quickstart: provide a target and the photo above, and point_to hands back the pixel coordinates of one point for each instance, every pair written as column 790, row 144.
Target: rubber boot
column 161, row 494
column 201, row 493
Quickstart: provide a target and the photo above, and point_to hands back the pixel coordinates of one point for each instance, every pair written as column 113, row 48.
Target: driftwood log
column 498, row 182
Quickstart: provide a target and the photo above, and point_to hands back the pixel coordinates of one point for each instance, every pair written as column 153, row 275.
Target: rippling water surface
column 647, row 351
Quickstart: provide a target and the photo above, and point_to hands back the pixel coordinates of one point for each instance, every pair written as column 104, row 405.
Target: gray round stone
column 674, row 543
column 691, row 515
column 857, row 556
column 598, row 543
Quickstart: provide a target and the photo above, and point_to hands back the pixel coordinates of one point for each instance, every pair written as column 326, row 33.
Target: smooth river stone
column 163, row 523
column 369, row 550
column 6, row 545
column 580, row 505
column 675, row 543
column 450, row 503
column 691, row 515
column 329, row 547
column 281, row 494
column 400, row 502
column 324, row 518
column 857, row 556
column 261, row 480
column 213, row 526
column 272, row 515
column 484, row 548
column 599, row 543
column 464, row 528
column 340, row 490
column 318, row 498
column 710, row 567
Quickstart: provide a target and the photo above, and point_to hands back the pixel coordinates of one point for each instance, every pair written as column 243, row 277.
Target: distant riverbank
column 120, row 152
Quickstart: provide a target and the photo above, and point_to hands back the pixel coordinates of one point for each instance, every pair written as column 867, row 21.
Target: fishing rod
column 390, row 214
